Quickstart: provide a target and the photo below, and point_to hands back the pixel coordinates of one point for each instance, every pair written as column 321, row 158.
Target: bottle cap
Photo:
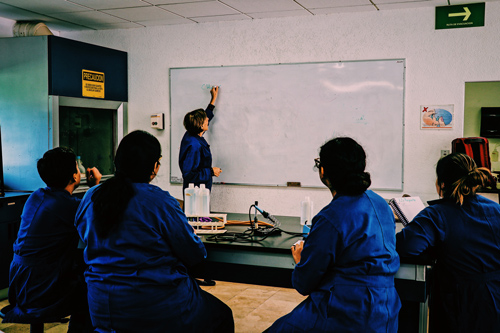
column 202, row 185
column 191, row 185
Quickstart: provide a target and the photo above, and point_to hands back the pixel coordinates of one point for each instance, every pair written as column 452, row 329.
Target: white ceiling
column 67, row 15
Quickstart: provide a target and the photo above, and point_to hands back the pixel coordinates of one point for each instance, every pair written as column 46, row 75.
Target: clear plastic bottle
column 203, row 199
column 306, row 207
column 80, row 166
column 189, row 200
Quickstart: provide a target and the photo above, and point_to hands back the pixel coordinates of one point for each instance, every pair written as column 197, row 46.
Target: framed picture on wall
column 436, row 117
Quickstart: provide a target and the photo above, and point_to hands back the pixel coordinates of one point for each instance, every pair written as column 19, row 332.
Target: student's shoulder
column 159, row 199
column 154, row 192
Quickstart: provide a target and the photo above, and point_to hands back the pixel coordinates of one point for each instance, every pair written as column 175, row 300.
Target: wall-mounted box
column 158, row 121
column 490, row 122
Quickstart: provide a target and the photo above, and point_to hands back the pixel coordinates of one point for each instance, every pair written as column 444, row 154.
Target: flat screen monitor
column 490, row 122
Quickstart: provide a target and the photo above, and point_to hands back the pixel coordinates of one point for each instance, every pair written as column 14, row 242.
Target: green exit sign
column 460, row 16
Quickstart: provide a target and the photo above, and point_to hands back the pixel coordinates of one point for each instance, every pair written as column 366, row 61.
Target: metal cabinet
column 11, row 207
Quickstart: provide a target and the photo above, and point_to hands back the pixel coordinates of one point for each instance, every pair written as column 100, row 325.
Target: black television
column 2, row 187
column 490, row 122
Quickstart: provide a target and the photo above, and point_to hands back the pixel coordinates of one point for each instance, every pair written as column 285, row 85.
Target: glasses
column 317, row 164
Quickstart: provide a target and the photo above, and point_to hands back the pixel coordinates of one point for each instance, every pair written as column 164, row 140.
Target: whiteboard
column 270, row 120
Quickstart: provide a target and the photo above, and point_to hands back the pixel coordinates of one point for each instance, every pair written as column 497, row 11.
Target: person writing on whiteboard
column 347, row 263
column 195, row 158
column 462, row 232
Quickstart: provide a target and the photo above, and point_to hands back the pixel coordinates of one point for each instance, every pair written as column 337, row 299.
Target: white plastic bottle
column 189, row 200
column 306, row 211
column 80, row 165
column 203, row 198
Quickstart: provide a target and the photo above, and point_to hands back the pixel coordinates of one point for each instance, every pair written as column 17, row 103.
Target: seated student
column 138, row 246
column 462, row 230
column 44, row 281
column 347, row 263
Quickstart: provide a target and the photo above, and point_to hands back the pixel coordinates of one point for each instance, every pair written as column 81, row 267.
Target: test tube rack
column 201, row 227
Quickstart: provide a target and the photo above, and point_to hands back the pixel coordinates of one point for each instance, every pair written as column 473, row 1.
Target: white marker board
column 270, row 120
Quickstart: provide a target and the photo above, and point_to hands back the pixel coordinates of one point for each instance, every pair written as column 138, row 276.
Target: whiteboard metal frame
column 286, row 64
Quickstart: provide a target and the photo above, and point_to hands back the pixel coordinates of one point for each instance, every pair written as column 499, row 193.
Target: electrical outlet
column 444, row 152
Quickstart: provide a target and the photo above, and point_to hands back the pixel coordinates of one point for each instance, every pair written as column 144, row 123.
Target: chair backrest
column 476, row 147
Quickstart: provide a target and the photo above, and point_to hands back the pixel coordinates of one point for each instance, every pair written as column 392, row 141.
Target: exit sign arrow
column 466, row 14
column 460, row 16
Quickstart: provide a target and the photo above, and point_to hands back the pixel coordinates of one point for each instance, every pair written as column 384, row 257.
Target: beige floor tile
column 289, row 295
column 61, row 328
column 254, row 307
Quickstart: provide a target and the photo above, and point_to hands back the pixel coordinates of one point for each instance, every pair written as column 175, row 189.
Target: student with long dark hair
column 346, row 265
column 462, row 232
column 138, row 246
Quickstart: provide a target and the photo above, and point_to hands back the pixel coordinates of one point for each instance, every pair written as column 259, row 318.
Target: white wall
column 439, row 62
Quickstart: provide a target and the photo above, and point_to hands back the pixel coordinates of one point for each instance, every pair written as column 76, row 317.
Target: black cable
column 248, row 235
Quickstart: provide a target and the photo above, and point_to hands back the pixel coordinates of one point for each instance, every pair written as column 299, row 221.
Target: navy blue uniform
column 44, row 280
column 465, row 240
column 195, row 158
column 347, row 268
column 137, row 276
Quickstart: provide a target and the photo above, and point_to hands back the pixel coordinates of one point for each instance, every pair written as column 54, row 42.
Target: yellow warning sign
column 92, row 84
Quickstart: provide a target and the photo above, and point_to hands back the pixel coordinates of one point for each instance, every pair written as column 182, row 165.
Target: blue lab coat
column 347, row 268
column 195, row 158
column 44, row 279
column 465, row 240
column 137, row 277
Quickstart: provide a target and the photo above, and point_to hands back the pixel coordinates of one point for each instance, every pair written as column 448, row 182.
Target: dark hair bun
column 344, row 161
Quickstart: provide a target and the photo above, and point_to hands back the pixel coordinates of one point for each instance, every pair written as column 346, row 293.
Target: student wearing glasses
column 347, row 263
column 138, row 246
column 462, row 232
column 195, row 157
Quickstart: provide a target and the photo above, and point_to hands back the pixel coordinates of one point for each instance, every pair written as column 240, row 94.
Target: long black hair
column 135, row 161
column 344, row 161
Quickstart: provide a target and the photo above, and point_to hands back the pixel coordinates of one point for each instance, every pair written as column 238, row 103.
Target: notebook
column 406, row 208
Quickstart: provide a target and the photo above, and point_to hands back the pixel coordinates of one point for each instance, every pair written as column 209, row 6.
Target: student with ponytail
column 462, row 232
column 138, row 245
column 347, row 263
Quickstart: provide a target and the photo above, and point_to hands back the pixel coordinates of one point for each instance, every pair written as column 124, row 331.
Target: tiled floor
column 254, row 307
